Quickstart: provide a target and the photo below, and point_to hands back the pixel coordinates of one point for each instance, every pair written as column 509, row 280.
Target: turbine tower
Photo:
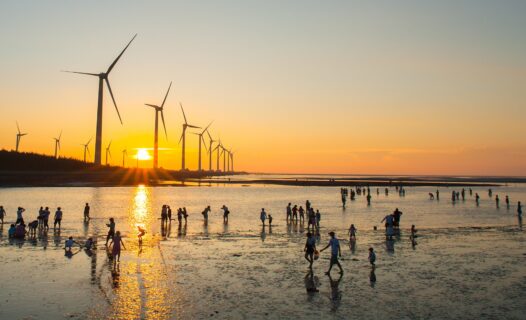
column 86, row 148
column 183, row 137
column 108, row 153
column 124, row 155
column 218, row 149
column 57, row 144
column 232, row 161
column 156, row 133
column 103, row 76
column 201, row 139
column 224, row 158
column 210, row 150
column 19, row 136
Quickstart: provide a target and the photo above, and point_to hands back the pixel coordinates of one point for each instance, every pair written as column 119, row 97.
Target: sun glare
column 142, row 154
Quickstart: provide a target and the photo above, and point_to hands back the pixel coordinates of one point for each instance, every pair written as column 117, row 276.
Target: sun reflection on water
column 140, row 213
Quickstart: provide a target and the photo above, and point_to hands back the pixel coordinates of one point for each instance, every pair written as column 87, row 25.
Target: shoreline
column 112, row 177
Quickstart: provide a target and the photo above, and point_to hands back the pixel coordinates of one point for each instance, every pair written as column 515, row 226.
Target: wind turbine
column 86, row 148
column 224, row 158
column 232, row 161
column 210, row 150
column 124, row 155
column 156, row 134
column 57, row 144
column 103, row 76
column 183, row 136
column 108, row 152
column 19, row 136
column 201, row 139
column 218, row 149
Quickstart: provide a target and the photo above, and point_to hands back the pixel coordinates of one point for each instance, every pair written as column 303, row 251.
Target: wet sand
column 467, row 263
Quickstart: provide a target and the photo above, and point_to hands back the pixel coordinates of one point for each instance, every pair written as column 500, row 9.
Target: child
column 413, row 232
column 69, row 243
column 142, row 232
column 270, row 220
column 89, row 244
column 33, row 225
column 352, row 232
column 11, row 231
column 372, row 256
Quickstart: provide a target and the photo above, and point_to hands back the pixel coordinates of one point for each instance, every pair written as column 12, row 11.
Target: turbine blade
column 191, row 126
column 164, row 124
column 184, row 115
column 18, row 127
column 204, row 143
column 166, row 96
column 208, row 126
column 151, row 105
column 181, row 139
column 85, row 73
column 60, row 135
column 89, row 141
column 113, row 99
column 207, row 132
column 119, row 56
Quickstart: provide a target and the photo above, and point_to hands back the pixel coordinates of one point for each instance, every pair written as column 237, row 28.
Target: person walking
column 336, row 252
column 111, row 231
column 86, row 212
column 310, row 248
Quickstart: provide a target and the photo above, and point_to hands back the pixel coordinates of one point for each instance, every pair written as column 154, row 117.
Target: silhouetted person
column 519, row 209
column 263, row 216
column 507, row 202
column 372, row 257
column 310, row 248
column 86, row 212
column 477, row 198
column 368, row 199
column 497, row 200
column 2, row 214
column 19, row 216
column 289, row 212
column 111, row 230
column 438, row 195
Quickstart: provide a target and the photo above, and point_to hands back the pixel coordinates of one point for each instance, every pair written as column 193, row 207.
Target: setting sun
column 142, row 154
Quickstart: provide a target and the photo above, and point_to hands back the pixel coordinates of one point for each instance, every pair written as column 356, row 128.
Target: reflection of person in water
column 372, row 277
column 311, row 283
column 336, row 294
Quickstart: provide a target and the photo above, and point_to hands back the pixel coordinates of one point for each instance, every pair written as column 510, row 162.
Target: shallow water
column 467, row 262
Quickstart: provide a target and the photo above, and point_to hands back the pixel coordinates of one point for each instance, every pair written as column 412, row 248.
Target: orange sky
column 358, row 88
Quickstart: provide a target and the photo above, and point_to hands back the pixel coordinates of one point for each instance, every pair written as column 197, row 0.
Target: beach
column 466, row 263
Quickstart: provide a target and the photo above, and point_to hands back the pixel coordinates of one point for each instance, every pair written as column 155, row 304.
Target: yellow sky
column 299, row 87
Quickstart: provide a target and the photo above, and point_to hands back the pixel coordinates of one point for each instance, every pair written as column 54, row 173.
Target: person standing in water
column 205, row 213
column 116, row 249
column 507, row 202
column 372, row 257
column 519, row 209
column 438, row 195
column 368, row 199
column 185, row 215
column 58, row 219
column 336, row 252
column 2, row 214
column 352, row 233
column 477, row 198
column 289, row 212
column 263, row 216
column 310, row 248
column 226, row 212
column 86, row 212
column 111, row 231
column 19, row 217
column 497, row 200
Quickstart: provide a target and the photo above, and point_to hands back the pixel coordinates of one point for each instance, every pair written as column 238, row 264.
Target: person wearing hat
column 336, row 252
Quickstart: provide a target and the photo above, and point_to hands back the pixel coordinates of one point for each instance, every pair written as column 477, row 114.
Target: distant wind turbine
column 124, row 156
column 19, row 136
column 210, row 150
column 156, row 133
column 232, row 161
column 183, row 137
column 57, row 144
column 224, row 158
column 218, row 149
column 86, row 148
column 108, row 153
column 201, row 140
column 103, row 76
